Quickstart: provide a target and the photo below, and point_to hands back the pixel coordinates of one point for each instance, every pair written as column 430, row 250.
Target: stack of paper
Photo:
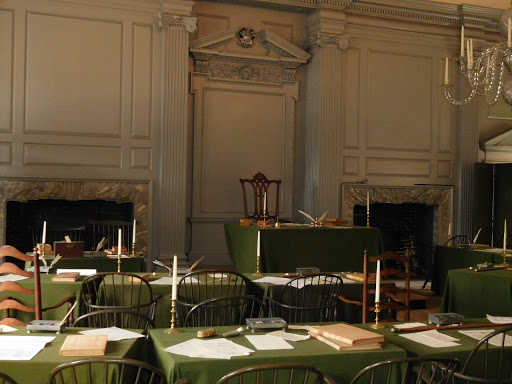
column 432, row 338
column 209, row 349
column 22, row 347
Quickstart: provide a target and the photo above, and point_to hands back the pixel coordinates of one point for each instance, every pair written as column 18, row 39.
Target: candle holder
column 133, row 250
column 258, row 266
column 173, row 329
column 118, row 263
column 367, row 219
column 504, row 264
column 377, row 325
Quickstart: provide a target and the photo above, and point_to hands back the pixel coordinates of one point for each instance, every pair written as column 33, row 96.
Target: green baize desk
column 101, row 264
column 286, row 248
column 447, row 258
column 342, row 366
column 38, row 369
column 476, row 294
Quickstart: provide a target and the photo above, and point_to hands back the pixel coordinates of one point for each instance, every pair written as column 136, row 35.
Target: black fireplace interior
column 401, row 224
column 82, row 220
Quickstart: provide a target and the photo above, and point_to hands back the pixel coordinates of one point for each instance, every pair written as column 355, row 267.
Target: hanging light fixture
column 486, row 73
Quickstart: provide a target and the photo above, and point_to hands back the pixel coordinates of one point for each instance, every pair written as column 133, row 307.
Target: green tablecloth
column 38, row 369
column 447, row 258
column 286, row 248
column 101, row 264
column 475, row 294
column 342, row 366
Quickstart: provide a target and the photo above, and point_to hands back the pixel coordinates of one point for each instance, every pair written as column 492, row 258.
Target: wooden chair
column 396, row 298
column 254, row 192
column 115, row 317
column 227, row 310
column 197, row 286
column 120, row 290
column 279, row 372
column 310, row 298
column 106, row 370
column 31, row 297
column 6, row 379
column 418, row 370
column 490, row 361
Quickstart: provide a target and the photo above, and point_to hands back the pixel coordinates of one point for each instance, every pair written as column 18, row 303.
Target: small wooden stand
column 377, row 325
column 173, row 329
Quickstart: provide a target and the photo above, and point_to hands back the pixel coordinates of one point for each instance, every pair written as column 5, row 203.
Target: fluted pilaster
column 171, row 230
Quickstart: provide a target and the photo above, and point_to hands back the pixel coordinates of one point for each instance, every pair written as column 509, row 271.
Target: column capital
column 165, row 21
column 323, row 40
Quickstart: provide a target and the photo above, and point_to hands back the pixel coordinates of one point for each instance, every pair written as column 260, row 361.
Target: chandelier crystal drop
column 486, row 73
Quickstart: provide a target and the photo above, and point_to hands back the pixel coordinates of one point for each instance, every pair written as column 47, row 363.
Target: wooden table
column 475, row 294
column 101, row 264
column 342, row 366
column 447, row 258
column 286, row 248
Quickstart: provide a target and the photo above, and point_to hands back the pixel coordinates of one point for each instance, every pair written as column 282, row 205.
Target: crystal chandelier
column 486, row 73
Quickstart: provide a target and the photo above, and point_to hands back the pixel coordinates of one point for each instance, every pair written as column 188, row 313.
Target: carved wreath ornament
column 246, row 37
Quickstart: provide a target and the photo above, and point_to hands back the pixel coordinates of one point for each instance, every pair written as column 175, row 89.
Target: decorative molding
column 498, row 149
column 281, row 46
column 324, row 40
column 166, row 21
column 244, row 72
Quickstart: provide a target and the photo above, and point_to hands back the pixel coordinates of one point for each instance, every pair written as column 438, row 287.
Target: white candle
column 174, row 278
column 43, row 240
column 471, row 51
column 509, row 42
column 462, row 42
column 134, row 231
column 265, row 203
column 258, row 245
column 449, row 230
column 469, row 55
column 446, row 71
column 119, row 241
column 377, row 283
column 367, row 202
column 505, row 236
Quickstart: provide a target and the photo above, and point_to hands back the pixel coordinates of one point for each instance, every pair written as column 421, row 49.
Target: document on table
column 267, row 342
column 113, row 333
column 288, row 336
column 432, row 339
column 478, row 334
column 22, row 347
column 83, row 272
column 272, row 280
column 168, row 280
column 6, row 328
column 11, row 277
column 409, row 325
column 209, row 349
column 499, row 319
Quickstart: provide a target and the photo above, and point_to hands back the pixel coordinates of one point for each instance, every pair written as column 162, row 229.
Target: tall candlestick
column 446, row 71
column 462, row 42
column 377, row 283
column 505, row 236
column 174, row 294
column 258, row 250
column 469, row 56
column 119, row 241
column 134, row 231
column 265, row 205
column 43, row 240
column 367, row 202
column 449, row 230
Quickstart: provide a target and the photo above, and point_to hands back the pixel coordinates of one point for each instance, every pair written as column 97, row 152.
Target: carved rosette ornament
column 324, row 40
column 166, row 21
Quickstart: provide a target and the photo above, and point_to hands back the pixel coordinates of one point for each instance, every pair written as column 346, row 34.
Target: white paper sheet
column 272, row 280
column 499, row 319
column 302, row 327
column 478, row 334
column 432, row 339
column 266, row 342
column 22, row 347
column 348, row 281
column 409, row 325
column 83, row 272
column 11, row 277
column 288, row 336
column 168, row 280
column 6, row 328
column 115, row 256
column 113, row 333
column 209, row 349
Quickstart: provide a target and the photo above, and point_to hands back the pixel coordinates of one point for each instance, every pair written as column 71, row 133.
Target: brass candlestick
column 118, row 263
column 258, row 266
column 173, row 328
column 367, row 219
column 504, row 264
column 377, row 325
column 133, row 250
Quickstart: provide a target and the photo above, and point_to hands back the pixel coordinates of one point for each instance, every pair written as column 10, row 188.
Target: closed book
column 347, row 334
column 357, row 276
column 341, row 346
column 84, row 345
column 66, row 276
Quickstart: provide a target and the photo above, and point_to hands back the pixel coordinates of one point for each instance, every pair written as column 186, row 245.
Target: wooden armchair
column 16, row 297
column 396, row 298
column 256, row 190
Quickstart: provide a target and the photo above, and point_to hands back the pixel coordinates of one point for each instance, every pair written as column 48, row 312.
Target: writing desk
column 286, row 248
column 101, row 264
column 342, row 366
column 475, row 294
column 447, row 258
column 38, row 369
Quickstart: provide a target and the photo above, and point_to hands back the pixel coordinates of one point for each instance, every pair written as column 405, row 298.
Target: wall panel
column 142, row 81
column 6, row 69
column 397, row 167
column 71, row 155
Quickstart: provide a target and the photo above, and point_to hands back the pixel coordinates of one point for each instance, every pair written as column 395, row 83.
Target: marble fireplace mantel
column 21, row 190
column 440, row 196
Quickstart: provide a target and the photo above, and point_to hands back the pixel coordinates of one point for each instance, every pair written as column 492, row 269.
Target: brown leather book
column 66, row 276
column 84, row 345
column 347, row 334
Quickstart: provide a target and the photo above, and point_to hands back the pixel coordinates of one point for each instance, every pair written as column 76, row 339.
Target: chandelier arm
column 458, row 102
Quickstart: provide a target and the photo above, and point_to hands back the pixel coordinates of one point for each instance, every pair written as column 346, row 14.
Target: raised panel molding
column 444, row 168
column 397, row 167
column 71, row 155
column 350, row 166
column 77, row 93
column 140, row 158
column 6, row 153
column 142, row 80
column 6, row 69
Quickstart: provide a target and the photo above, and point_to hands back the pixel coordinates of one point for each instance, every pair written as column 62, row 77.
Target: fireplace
column 135, row 194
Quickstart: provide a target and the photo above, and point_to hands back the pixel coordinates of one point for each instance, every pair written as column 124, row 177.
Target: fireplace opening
column 402, row 225
column 83, row 220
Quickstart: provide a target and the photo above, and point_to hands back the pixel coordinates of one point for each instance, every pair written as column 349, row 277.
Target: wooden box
column 68, row 249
